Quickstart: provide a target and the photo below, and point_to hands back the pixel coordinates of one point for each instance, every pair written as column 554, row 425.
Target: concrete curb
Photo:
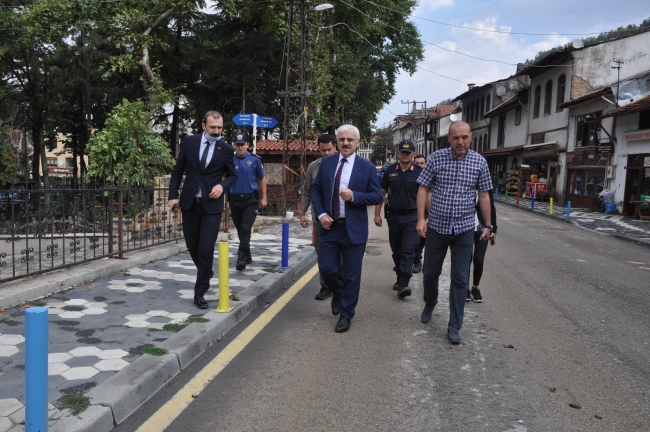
column 128, row 389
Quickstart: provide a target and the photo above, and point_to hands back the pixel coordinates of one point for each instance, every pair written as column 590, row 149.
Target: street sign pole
column 254, row 133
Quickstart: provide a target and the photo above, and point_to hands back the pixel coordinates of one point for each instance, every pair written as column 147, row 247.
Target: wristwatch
column 487, row 227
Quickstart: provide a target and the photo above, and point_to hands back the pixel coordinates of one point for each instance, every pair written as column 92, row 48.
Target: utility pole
column 618, row 79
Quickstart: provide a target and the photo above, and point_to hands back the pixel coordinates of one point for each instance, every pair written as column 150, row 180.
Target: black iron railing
column 47, row 229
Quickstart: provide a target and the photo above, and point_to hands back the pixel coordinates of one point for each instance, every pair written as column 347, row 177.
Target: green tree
column 126, row 145
column 383, row 140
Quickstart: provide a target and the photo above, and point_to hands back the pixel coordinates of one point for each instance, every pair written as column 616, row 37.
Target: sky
column 560, row 22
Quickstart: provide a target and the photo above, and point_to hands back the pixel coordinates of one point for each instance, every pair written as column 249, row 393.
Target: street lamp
column 323, row 6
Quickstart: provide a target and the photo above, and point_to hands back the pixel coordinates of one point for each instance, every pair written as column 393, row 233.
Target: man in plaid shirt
column 452, row 175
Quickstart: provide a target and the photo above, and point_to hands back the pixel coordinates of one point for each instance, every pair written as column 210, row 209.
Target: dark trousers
column 201, row 229
column 478, row 257
column 243, row 215
column 317, row 229
column 434, row 256
column 419, row 248
column 403, row 240
column 334, row 243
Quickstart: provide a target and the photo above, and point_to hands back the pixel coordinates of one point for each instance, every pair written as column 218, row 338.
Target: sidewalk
column 623, row 227
column 120, row 338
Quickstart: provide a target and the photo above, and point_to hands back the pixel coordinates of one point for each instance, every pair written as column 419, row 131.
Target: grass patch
column 153, row 329
column 257, row 230
column 173, row 327
column 126, row 274
column 154, row 351
column 191, row 320
column 75, row 403
column 38, row 303
column 270, row 269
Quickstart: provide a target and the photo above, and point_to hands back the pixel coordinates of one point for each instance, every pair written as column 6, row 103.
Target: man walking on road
column 247, row 195
column 401, row 181
column 343, row 189
column 326, row 147
column 206, row 161
column 453, row 175
column 420, row 161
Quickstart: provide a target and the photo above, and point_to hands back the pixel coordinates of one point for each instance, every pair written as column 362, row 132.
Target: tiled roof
column 278, row 146
column 442, row 110
column 642, row 104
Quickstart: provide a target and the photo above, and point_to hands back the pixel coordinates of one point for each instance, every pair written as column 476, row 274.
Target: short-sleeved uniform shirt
column 248, row 168
column 403, row 186
column 453, row 183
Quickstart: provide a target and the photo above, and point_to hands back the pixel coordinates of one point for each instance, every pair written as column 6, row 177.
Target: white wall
column 549, row 123
column 515, row 134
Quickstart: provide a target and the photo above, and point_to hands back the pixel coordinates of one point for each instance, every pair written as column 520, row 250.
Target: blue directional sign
column 266, row 122
column 243, row 119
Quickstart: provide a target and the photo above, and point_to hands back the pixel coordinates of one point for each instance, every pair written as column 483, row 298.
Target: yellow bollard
column 224, row 288
column 551, row 205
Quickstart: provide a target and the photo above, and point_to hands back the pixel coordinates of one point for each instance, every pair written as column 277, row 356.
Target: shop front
column 586, row 176
column 540, row 165
column 499, row 162
column 637, row 183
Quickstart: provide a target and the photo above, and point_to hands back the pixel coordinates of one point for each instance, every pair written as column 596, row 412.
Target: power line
column 496, row 31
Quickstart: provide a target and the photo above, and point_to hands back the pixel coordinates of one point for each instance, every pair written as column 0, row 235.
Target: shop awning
column 503, row 151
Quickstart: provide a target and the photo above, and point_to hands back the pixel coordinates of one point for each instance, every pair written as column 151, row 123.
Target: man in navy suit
column 207, row 162
column 343, row 189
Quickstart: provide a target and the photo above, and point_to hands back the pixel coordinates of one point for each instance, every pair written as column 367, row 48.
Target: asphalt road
column 560, row 343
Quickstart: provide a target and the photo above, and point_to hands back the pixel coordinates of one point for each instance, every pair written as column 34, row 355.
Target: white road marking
column 634, row 262
column 645, row 268
column 581, row 260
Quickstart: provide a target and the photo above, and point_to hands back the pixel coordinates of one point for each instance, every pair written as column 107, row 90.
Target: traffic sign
column 243, row 119
column 266, row 122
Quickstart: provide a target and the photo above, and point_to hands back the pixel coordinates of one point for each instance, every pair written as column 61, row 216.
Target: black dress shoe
column 426, row 313
column 241, row 263
column 201, row 303
column 324, row 293
column 343, row 325
column 336, row 307
column 248, row 259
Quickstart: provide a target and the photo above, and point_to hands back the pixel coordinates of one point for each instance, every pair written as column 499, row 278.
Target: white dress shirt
column 344, row 182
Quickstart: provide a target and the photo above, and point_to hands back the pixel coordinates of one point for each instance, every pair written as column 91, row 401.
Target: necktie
column 204, row 158
column 336, row 205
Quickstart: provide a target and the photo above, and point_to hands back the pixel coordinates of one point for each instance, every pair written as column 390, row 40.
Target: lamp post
column 295, row 91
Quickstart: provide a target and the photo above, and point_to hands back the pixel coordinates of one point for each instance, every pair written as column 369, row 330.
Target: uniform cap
column 241, row 138
column 406, row 146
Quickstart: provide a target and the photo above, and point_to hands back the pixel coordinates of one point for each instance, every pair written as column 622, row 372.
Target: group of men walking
column 441, row 204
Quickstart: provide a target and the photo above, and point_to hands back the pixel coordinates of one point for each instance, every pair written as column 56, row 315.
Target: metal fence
column 47, row 229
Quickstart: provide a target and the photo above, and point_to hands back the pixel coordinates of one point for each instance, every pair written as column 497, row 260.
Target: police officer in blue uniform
column 246, row 196
column 400, row 180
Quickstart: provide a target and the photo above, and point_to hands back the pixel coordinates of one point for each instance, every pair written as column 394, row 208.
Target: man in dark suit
column 343, row 189
column 207, row 162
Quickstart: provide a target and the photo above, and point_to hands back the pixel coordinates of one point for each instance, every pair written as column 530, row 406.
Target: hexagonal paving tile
column 11, row 339
column 57, row 368
column 85, row 351
column 112, row 354
column 80, row 373
column 94, row 311
column 179, row 315
column 9, row 406
column 158, row 313
column 58, row 357
column 110, row 365
column 96, row 305
column 137, row 324
column 136, row 317
column 75, row 302
column 134, row 285
column 71, row 315
column 8, row 350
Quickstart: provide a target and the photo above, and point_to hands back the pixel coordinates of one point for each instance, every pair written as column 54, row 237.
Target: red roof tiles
column 642, row 104
column 278, row 146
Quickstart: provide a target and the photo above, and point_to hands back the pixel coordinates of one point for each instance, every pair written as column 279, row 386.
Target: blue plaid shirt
column 453, row 183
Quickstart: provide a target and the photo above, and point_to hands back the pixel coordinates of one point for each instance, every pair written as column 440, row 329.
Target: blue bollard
column 568, row 210
column 532, row 202
column 36, row 369
column 285, row 245
column 496, row 195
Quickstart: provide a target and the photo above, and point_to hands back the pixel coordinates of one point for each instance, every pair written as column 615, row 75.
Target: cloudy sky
column 559, row 22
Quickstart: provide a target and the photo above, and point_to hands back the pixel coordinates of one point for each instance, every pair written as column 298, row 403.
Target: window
column 482, row 106
column 52, row 161
column 474, row 144
column 486, row 144
column 644, row 120
column 537, row 138
column 587, row 130
column 517, row 116
column 480, row 144
column 536, row 101
column 488, row 105
column 548, row 94
column 70, row 162
column 561, row 88
column 501, row 135
column 472, row 113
